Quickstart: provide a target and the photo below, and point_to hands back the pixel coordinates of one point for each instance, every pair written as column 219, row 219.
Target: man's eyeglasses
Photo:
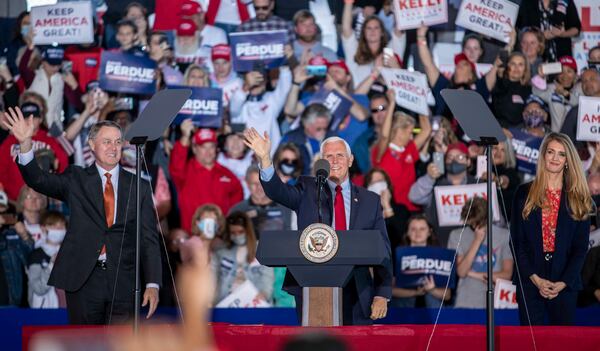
column 378, row 109
column 460, row 157
column 262, row 8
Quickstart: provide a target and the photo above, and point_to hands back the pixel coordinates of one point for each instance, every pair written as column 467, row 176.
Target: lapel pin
column 355, row 200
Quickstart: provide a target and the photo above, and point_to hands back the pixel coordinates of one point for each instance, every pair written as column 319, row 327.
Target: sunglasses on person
column 262, row 8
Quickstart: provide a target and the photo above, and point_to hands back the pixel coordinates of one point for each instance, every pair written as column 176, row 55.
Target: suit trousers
column 96, row 302
column 558, row 311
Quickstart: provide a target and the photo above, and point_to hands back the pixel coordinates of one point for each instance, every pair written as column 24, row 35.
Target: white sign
column 411, row 14
column 245, row 295
column 63, row 23
column 589, row 14
column 588, row 119
column 411, row 88
column 481, row 166
column 450, row 199
column 505, row 295
column 493, row 18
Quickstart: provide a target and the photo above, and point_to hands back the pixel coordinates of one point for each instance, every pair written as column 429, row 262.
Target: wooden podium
column 322, row 283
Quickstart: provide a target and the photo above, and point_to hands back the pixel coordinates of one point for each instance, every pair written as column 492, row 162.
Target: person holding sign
column 550, row 233
column 235, row 264
column 398, row 151
column 464, row 77
column 419, row 234
column 366, row 295
column 471, row 250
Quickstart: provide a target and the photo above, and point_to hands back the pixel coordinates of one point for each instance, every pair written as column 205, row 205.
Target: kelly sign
column 204, row 107
column 338, row 105
column 413, row 13
column 494, row 18
column 450, row 199
column 505, row 294
column 527, row 150
column 588, row 120
column 414, row 264
column 411, row 88
column 63, row 23
column 127, row 73
column 251, row 48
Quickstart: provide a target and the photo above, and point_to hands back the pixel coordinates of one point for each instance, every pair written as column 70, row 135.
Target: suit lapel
column 537, row 233
column 93, row 187
column 354, row 205
column 327, row 205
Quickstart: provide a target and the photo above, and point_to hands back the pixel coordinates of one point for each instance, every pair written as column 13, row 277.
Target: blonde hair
column 194, row 67
column 579, row 200
column 402, row 120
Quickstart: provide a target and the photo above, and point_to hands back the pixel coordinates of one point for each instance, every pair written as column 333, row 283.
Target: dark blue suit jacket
column 572, row 238
column 365, row 214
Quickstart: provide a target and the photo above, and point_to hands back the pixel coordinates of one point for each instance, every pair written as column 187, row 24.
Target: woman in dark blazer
column 550, row 232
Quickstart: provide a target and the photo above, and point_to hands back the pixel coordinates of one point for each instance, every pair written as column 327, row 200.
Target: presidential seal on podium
column 319, row 243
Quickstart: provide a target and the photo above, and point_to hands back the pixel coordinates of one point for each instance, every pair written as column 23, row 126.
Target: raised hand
column 23, row 129
column 261, row 146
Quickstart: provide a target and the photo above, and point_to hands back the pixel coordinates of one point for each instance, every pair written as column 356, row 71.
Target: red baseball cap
column 220, row 51
column 339, row 63
column 568, row 61
column 190, row 8
column 462, row 57
column 186, row 28
column 458, row 146
column 205, row 135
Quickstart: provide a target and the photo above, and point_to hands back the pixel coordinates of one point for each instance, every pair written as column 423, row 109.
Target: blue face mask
column 25, row 30
column 533, row 119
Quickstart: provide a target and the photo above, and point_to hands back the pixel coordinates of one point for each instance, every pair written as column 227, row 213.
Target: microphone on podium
column 322, row 168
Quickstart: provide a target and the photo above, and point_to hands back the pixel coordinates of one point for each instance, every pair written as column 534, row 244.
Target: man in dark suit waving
column 95, row 264
column 346, row 207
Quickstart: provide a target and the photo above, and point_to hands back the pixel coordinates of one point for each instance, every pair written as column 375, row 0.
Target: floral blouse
column 549, row 218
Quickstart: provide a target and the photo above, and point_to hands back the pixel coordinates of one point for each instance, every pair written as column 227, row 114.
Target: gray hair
column 511, row 157
column 252, row 169
column 314, row 111
column 106, row 123
column 334, row 139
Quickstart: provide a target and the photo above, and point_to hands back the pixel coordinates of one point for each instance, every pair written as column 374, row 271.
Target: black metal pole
column 490, row 268
column 138, row 231
column 319, row 192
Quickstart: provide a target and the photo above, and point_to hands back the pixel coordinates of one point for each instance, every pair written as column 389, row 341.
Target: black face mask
column 288, row 168
column 455, row 167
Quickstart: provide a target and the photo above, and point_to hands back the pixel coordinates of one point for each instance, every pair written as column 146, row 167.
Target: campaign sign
column 493, row 18
column 588, row 119
column 338, row 105
column 252, row 48
column 414, row 264
column 527, row 150
column 245, row 295
column 63, row 23
column 127, row 73
column 589, row 35
column 204, row 107
column 450, row 199
column 411, row 14
column 505, row 294
column 411, row 88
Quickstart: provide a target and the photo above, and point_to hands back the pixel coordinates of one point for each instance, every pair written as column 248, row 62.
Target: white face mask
column 50, row 249
column 56, row 236
column 208, row 227
column 378, row 187
column 239, row 240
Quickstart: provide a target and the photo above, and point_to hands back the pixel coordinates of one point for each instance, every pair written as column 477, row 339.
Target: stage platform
column 403, row 329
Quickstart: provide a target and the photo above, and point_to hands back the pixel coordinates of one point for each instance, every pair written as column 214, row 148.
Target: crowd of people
column 206, row 182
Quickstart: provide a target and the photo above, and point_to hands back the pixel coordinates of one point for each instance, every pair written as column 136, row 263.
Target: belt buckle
column 548, row 256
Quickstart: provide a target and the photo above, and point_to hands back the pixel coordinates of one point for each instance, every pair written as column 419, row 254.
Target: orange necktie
column 109, row 204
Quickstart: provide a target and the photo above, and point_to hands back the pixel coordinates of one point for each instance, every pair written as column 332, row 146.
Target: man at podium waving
column 345, row 206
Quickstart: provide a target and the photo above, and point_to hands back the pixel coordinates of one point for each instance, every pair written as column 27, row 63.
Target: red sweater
column 197, row 185
column 10, row 176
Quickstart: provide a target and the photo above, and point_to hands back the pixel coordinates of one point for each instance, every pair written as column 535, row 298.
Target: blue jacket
column 572, row 238
column 365, row 214
column 13, row 253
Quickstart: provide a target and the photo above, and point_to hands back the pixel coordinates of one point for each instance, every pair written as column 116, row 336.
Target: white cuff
column 25, row 158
